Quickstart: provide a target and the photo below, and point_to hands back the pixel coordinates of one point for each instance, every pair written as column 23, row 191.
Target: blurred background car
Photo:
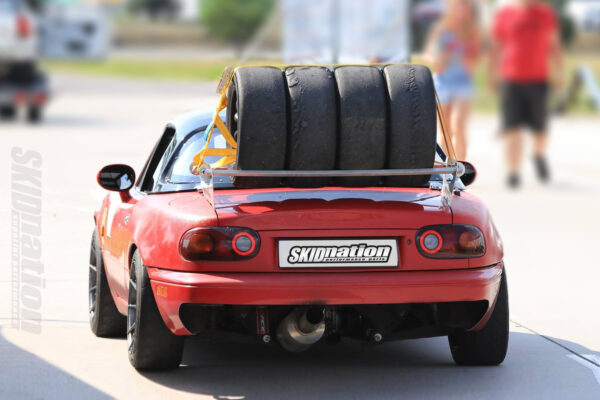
column 74, row 31
column 21, row 84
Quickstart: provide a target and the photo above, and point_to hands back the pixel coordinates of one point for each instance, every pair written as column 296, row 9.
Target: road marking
column 589, row 360
column 585, row 361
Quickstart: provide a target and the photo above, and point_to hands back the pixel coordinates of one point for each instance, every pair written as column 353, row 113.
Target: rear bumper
column 173, row 288
column 22, row 84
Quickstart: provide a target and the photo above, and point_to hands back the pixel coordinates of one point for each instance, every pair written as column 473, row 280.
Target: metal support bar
column 207, row 173
column 457, row 170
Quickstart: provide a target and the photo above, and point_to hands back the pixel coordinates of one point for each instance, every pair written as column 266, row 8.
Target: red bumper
column 173, row 288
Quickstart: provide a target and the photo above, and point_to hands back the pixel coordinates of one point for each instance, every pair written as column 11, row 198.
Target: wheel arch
column 132, row 248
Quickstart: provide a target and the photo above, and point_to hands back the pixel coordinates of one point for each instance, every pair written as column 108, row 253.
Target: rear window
column 179, row 171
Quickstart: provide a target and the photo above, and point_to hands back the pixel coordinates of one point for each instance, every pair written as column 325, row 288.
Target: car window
column 160, row 166
column 7, row 7
column 178, row 171
column 155, row 164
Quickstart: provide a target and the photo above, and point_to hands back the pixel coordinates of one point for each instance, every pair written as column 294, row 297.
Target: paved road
column 550, row 236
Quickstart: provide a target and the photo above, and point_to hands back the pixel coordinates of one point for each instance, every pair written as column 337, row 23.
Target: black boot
column 513, row 181
column 541, row 167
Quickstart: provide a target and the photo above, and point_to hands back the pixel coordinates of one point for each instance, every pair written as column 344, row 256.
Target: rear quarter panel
column 159, row 220
column 468, row 209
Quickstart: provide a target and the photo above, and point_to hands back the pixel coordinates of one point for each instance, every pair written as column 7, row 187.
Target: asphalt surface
column 550, row 236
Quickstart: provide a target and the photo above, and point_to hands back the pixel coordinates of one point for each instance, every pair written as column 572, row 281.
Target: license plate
column 338, row 253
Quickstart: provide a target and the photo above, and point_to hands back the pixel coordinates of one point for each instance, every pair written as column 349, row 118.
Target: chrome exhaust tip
column 301, row 328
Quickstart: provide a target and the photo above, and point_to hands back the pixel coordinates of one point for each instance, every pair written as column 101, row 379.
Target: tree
column 567, row 27
column 235, row 21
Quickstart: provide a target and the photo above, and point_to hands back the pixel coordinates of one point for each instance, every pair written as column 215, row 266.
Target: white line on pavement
column 585, row 361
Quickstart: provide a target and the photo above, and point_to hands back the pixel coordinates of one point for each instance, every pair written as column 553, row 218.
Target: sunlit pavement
column 550, row 238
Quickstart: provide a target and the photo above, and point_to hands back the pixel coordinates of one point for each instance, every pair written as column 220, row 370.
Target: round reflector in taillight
column 243, row 243
column 431, row 241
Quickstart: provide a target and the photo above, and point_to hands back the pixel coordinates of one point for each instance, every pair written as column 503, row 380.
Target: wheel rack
column 449, row 170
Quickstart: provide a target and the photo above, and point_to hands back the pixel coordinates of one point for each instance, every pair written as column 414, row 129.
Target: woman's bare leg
column 460, row 117
column 514, row 150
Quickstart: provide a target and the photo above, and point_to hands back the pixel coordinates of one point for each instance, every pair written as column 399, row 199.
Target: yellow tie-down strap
column 228, row 155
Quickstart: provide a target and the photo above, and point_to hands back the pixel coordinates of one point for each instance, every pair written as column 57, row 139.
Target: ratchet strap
column 227, row 155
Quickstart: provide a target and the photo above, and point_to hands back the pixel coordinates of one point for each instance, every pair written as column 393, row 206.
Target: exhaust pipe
column 300, row 329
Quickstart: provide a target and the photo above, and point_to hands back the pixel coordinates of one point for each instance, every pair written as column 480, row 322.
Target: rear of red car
column 372, row 264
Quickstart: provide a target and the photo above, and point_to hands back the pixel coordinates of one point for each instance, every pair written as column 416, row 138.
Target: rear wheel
column 487, row 346
column 34, row 114
column 151, row 345
column 413, row 122
column 8, row 112
column 362, row 114
column 257, row 118
column 105, row 319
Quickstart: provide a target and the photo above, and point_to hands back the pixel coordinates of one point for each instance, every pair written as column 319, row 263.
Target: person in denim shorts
column 453, row 49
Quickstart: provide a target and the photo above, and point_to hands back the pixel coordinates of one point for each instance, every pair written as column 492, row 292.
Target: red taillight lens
column 219, row 244
column 450, row 241
column 23, row 26
column 196, row 244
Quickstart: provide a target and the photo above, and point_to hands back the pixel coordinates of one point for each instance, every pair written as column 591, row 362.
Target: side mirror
column 469, row 175
column 116, row 177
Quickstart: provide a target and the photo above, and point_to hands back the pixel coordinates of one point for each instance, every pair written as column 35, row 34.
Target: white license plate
column 340, row 253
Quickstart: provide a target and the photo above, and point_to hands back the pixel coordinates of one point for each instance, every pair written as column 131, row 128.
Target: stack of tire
column 346, row 118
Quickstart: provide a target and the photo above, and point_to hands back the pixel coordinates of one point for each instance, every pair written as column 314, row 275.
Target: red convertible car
column 357, row 226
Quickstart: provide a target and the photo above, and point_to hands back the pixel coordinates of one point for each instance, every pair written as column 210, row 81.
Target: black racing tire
column 34, row 114
column 105, row 319
column 362, row 114
column 413, row 122
column 8, row 112
column 312, row 136
column 489, row 345
column 257, row 118
column 151, row 345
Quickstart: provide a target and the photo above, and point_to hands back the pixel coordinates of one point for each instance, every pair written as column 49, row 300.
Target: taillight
column 219, row 244
column 450, row 241
column 23, row 26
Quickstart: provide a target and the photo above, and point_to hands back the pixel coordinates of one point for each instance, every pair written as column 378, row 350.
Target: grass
column 210, row 70
column 195, row 70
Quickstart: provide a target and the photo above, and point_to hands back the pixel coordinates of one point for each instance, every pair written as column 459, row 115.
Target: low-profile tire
column 8, row 112
column 105, row 319
column 151, row 345
column 257, row 118
column 34, row 114
column 413, row 122
column 362, row 114
column 487, row 346
column 313, row 123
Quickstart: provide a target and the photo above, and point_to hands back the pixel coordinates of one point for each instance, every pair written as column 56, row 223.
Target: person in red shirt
column 526, row 57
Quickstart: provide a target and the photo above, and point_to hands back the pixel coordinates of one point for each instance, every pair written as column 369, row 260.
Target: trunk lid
column 330, row 209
